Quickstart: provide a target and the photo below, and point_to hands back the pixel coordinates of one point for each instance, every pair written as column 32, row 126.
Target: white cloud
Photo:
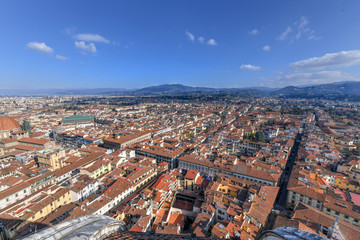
column 254, row 32
column 284, row 34
column 70, row 30
column 312, row 36
column 62, row 58
column 309, row 78
column 190, row 36
column 87, row 47
column 303, row 22
column 250, row 67
column 266, row 48
column 301, row 27
column 212, row 42
column 40, row 47
column 328, row 61
column 297, row 30
column 89, row 37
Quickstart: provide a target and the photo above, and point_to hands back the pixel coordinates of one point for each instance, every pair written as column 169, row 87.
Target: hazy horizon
column 133, row 89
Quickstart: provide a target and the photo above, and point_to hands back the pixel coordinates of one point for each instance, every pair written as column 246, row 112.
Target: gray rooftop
column 86, row 227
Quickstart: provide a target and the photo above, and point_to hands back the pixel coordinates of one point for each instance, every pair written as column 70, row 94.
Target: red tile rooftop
column 8, row 123
column 33, row 140
column 355, row 198
column 191, row 174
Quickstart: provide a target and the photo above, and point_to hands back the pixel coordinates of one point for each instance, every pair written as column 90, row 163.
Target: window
column 324, row 230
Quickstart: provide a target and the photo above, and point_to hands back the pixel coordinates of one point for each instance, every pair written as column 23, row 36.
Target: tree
column 348, row 154
column 251, row 136
column 26, row 126
column 260, row 136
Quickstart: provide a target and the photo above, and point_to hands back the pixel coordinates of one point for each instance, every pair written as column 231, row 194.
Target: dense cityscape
column 230, row 168
column 182, row 119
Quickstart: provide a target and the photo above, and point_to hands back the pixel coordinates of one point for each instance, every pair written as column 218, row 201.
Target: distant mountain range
column 338, row 90
column 337, row 87
column 169, row 89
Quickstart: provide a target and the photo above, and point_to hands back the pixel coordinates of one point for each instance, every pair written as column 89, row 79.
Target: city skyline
column 135, row 44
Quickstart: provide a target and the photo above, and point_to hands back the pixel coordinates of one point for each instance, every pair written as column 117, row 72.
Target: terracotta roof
column 38, row 141
column 263, row 203
column 80, row 162
column 26, row 148
column 344, row 207
column 220, row 231
column 7, row 192
column 8, row 123
column 127, row 136
column 312, row 218
column 201, row 220
column 191, row 174
column 308, row 192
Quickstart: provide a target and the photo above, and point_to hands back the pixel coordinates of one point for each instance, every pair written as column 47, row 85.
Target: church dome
column 8, row 123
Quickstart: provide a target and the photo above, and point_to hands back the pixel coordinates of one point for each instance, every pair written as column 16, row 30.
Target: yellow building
column 53, row 159
column 346, row 184
column 228, row 189
column 38, row 206
column 97, row 168
column 141, row 176
column 50, row 203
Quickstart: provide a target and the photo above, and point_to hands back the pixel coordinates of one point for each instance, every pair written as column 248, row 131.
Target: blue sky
column 134, row 44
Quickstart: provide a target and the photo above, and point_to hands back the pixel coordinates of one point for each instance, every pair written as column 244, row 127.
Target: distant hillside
column 178, row 89
column 93, row 91
column 337, row 90
column 169, row 89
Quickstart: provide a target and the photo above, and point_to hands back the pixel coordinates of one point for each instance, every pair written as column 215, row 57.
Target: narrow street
column 127, row 200
column 281, row 199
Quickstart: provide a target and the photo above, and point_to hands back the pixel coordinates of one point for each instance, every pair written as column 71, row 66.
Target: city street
column 281, row 199
column 127, row 200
